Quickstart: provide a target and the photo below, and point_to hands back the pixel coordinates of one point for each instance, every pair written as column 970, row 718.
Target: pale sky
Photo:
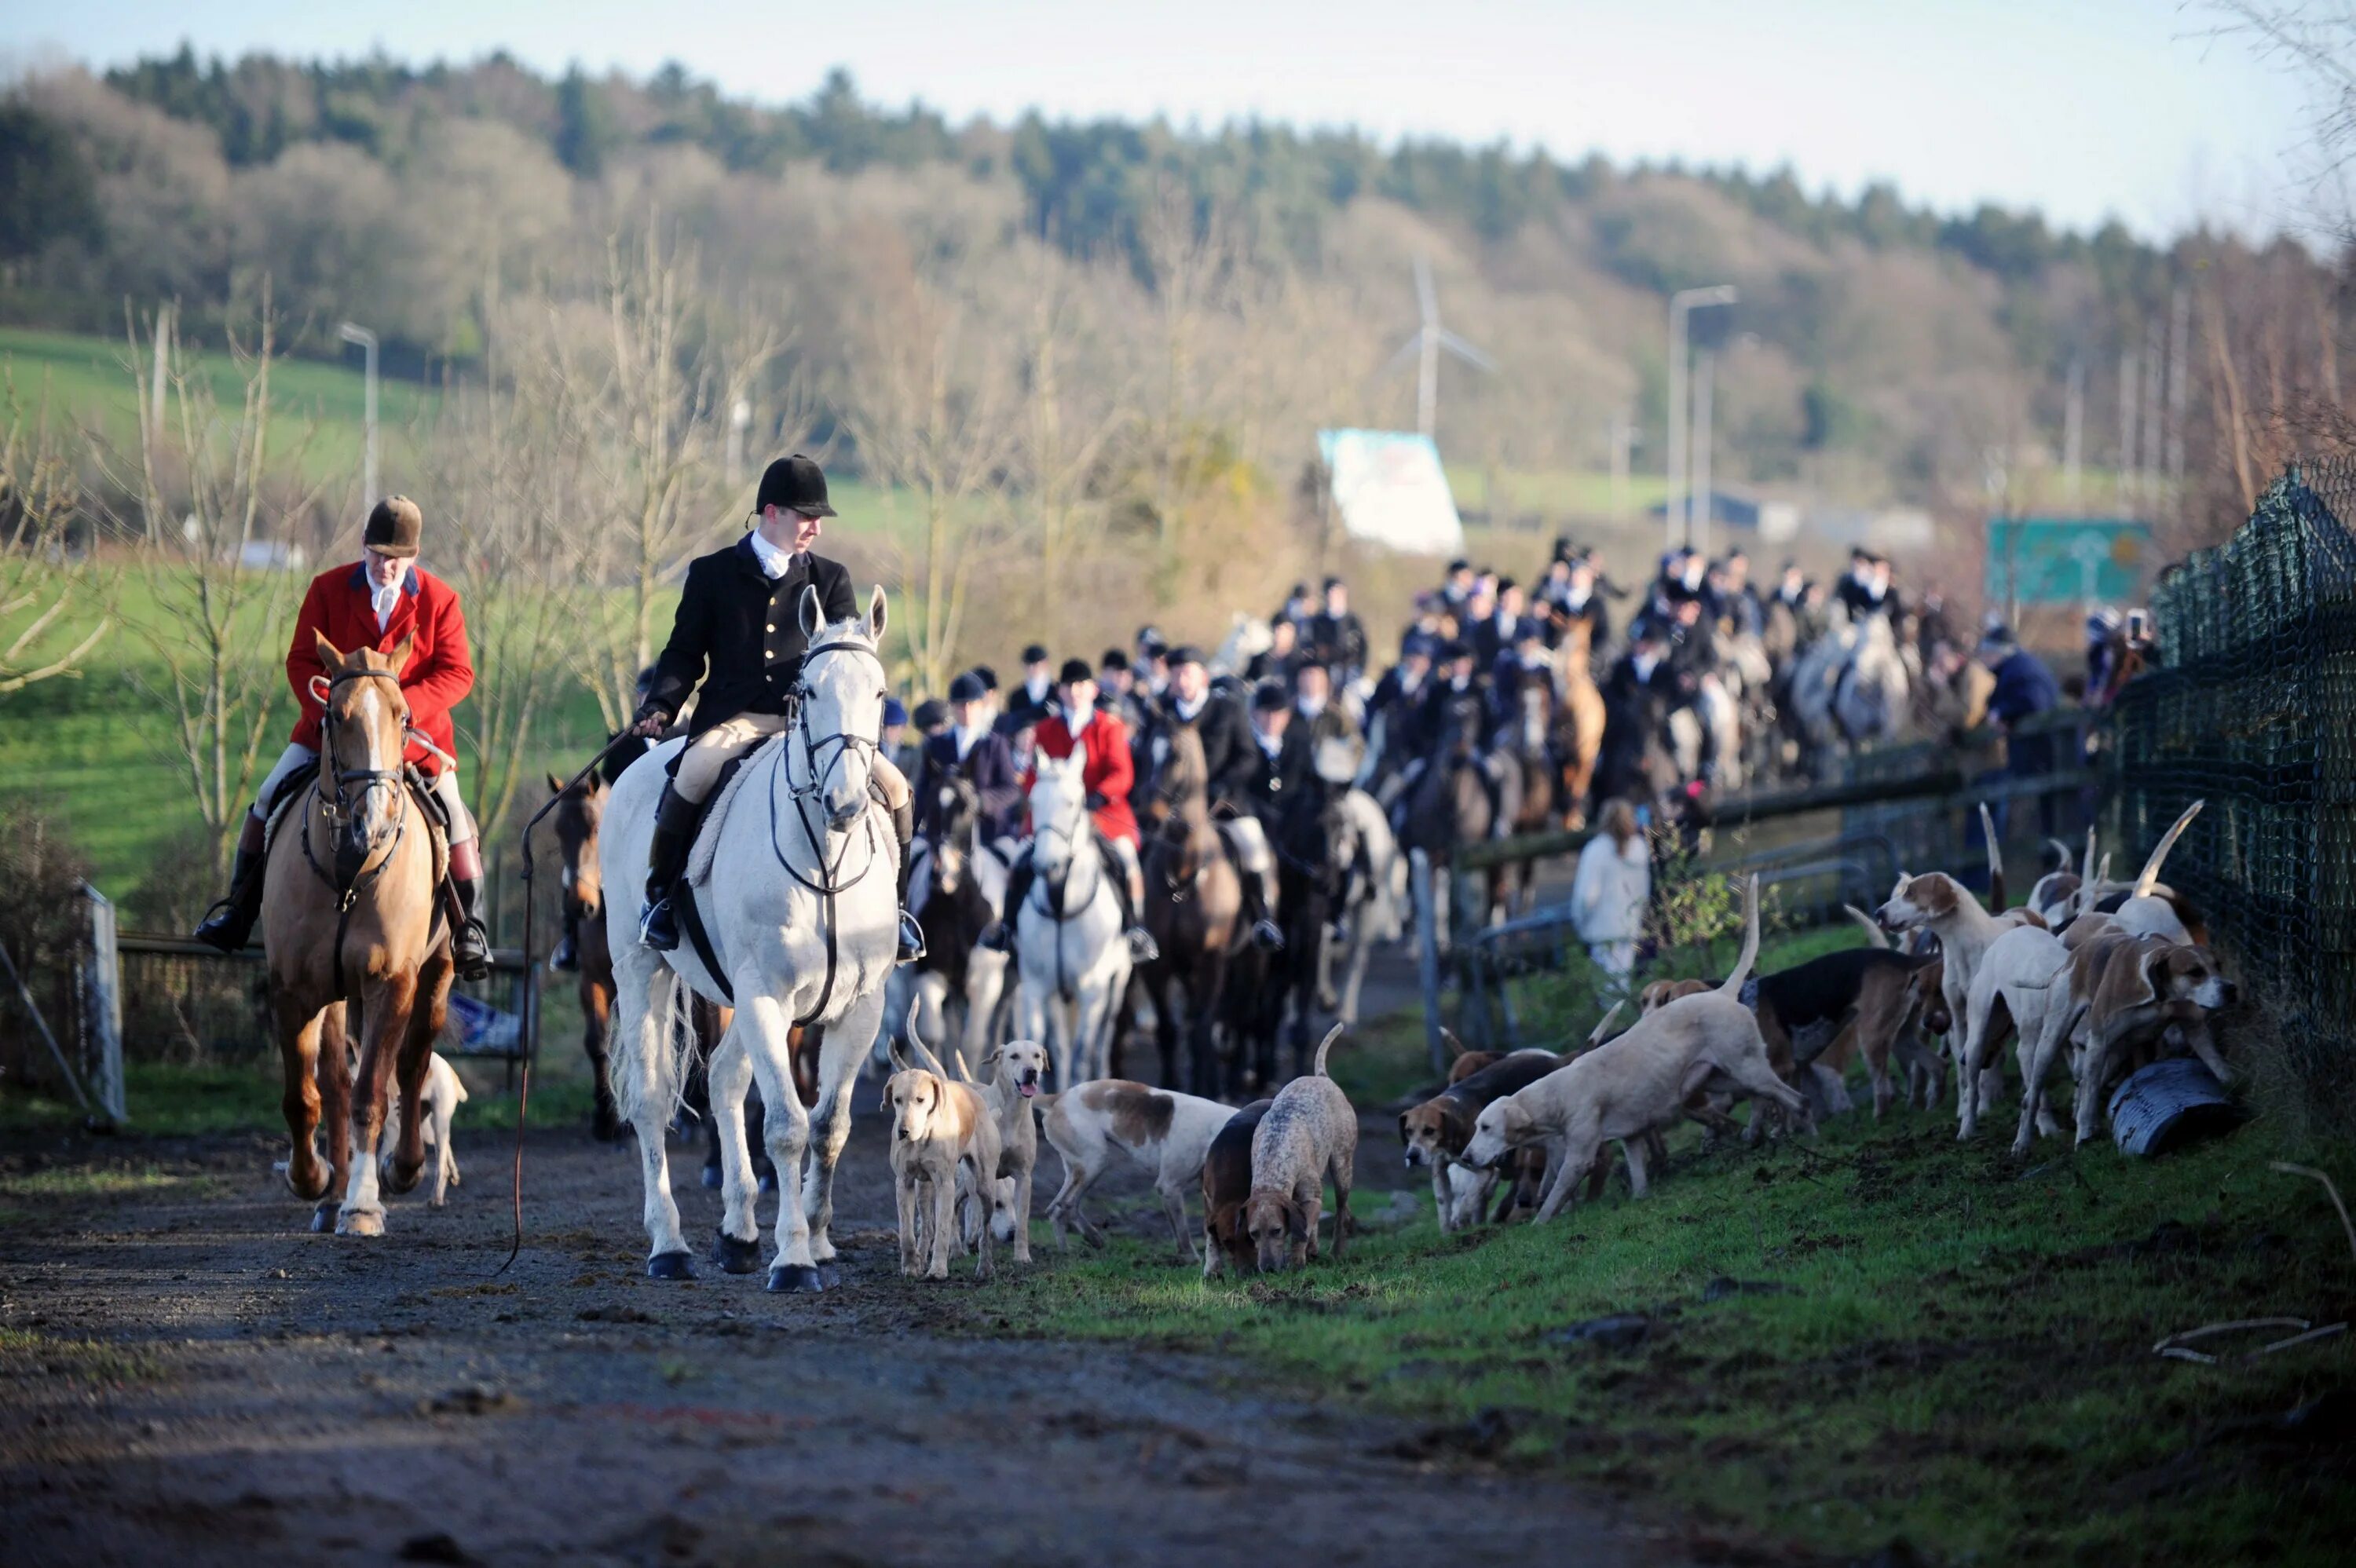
column 2085, row 108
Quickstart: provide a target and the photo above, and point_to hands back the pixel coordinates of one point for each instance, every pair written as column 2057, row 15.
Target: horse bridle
column 337, row 808
column 840, row 746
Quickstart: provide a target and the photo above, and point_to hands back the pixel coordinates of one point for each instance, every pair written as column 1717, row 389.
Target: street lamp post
column 1676, row 522
column 1705, row 392
column 352, row 333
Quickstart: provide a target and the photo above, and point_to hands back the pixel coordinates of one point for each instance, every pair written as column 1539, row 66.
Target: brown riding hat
column 394, row 527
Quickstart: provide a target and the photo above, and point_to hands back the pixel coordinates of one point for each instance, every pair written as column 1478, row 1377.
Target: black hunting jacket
column 746, row 630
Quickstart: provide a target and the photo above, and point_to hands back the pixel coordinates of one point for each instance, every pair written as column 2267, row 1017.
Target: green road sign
column 2066, row 561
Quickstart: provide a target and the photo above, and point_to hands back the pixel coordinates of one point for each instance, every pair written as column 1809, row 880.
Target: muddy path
column 186, row 1376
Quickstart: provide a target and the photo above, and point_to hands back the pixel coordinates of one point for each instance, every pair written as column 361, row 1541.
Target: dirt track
column 188, row 1376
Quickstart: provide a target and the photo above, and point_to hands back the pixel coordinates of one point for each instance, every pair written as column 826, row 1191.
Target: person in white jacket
column 1613, row 886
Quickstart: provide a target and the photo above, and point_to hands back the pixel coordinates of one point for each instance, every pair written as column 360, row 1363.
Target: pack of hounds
column 2100, row 976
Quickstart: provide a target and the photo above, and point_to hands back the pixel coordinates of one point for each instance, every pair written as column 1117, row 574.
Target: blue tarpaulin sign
column 2066, row 561
column 478, row 1029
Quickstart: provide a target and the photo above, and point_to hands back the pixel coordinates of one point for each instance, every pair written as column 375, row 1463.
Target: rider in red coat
column 375, row 602
column 1108, row 772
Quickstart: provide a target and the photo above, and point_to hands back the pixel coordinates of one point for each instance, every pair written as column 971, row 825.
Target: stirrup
column 470, row 951
column 1141, row 947
column 1265, row 936
column 221, row 920
column 912, row 938
column 656, row 927
column 564, row 958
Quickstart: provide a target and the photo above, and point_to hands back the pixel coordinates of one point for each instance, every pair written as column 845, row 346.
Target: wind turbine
column 1428, row 340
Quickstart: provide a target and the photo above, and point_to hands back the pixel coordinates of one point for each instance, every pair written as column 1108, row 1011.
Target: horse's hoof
column 670, row 1266
column 796, row 1279
column 734, row 1256
column 769, row 1180
column 830, row 1275
column 711, row 1177
column 322, row 1219
column 360, row 1222
column 398, row 1178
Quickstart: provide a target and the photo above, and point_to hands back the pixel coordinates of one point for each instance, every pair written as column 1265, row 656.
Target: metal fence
column 2253, row 708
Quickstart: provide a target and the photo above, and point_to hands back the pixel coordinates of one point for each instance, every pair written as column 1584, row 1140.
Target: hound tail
column 1322, row 1046
column 918, row 1054
column 2086, row 869
column 2150, row 878
column 1732, row 989
column 1595, row 1035
column 1456, row 1047
column 2057, row 855
column 1874, row 935
column 1995, row 860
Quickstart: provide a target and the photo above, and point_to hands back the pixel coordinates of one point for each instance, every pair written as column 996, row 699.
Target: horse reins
column 338, row 811
column 843, row 744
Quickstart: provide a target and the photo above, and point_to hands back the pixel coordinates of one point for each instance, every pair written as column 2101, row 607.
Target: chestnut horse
column 350, row 926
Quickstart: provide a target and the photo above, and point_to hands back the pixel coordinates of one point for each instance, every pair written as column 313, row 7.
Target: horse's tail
column 1732, row 989
column 2150, row 878
column 660, row 1039
column 1325, row 1046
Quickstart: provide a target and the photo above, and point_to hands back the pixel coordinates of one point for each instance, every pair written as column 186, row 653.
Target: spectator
column 2024, row 689
column 1612, row 890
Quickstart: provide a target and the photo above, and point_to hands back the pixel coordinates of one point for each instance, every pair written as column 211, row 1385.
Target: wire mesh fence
column 2252, row 707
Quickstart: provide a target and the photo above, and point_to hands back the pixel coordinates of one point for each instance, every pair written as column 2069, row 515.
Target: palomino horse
column 348, row 922
column 797, row 896
column 1579, row 723
column 1068, row 951
column 1194, row 909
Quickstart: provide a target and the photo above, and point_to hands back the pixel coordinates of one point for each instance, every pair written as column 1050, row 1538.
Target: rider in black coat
column 1231, row 761
column 738, row 631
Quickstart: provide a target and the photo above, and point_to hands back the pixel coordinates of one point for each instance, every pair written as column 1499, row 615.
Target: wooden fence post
column 102, row 1007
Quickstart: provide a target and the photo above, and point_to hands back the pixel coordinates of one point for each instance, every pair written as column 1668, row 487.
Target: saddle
column 292, row 789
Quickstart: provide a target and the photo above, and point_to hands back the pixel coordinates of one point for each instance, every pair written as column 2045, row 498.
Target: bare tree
column 1192, row 257
column 509, row 478
column 209, row 484
column 941, row 430
column 651, row 390
column 1062, row 436
column 40, row 578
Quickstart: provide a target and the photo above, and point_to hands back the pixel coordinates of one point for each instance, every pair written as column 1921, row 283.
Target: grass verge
column 1878, row 1336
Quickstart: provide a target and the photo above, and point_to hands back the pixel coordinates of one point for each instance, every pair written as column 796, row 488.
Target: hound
column 1435, row 1131
column 1166, row 1132
column 1308, row 1134
column 2027, row 972
column 2139, row 991
column 944, row 1150
column 1015, row 1068
column 444, row 1094
column 1938, row 903
column 1622, row 1089
column 1227, row 1185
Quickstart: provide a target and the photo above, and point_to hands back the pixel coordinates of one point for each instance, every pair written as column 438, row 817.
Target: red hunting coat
column 440, row 672
column 1108, row 773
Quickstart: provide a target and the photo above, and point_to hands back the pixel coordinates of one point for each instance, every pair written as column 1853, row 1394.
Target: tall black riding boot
column 1141, row 949
column 228, row 922
column 903, row 828
column 1000, row 937
column 470, row 945
column 666, row 858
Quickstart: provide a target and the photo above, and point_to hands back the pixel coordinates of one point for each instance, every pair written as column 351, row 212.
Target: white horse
column 800, row 902
column 1068, row 949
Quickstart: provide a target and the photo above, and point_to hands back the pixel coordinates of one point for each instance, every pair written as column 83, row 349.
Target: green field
column 89, row 383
